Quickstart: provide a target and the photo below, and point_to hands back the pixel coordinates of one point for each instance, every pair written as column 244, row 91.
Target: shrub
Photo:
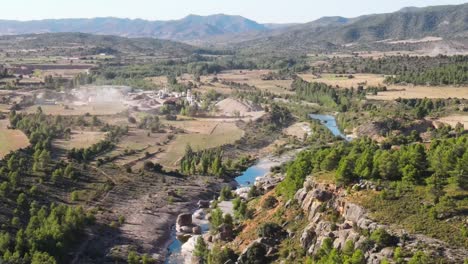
column 270, row 202
column 382, row 238
column 270, row 230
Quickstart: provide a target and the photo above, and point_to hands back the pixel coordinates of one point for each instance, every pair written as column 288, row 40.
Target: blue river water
column 329, row 121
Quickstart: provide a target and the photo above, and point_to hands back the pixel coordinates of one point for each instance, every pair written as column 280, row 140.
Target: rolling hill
column 87, row 44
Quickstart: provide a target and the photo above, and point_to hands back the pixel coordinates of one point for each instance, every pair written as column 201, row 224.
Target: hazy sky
column 266, row 11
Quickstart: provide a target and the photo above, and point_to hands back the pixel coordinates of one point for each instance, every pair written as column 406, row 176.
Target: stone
column 196, row 230
column 225, row 232
column 184, row 220
column 188, row 247
column 185, row 229
column 243, row 192
column 199, row 214
column 203, row 204
column 308, row 236
column 321, row 195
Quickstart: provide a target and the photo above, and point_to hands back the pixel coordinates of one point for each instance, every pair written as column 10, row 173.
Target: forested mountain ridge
column 446, row 22
column 189, row 28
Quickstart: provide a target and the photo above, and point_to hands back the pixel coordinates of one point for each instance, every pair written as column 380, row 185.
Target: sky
column 264, row 11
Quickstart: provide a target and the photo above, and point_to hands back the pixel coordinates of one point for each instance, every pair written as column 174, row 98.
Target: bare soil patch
column 11, row 139
column 452, row 120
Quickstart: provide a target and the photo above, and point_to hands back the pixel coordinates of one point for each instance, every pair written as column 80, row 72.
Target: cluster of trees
column 205, row 162
column 456, row 74
column 46, row 237
column 217, row 254
column 39, row 129
column 424, row 107
column 150, row 122
column 87, row 154
column 326, row 95
column 365, row 159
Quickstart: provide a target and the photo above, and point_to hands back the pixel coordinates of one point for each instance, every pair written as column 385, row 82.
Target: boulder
column 353, row 212
column 188, row 247
column 203, row 204
column 225, row 233
column 243, row 192
column 184, row 220
column 321, row 195
column 185, row 229
column 196, row 230
column 308, row 236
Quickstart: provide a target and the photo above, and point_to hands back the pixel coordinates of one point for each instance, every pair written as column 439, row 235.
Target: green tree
column 42, row 258
column 344, row 173
column 216, row 218
column 358, row 257
column 133, row 258
column 348, row 248
column 388, row 166
column 419, row 258
column 461, row 174
column 201, row 250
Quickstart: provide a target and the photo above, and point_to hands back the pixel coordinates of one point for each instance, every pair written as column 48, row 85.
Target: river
column 247, row 178
column 329, row 121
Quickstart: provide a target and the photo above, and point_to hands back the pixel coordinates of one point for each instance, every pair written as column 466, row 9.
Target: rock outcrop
column 185, row 225
column 314, row 197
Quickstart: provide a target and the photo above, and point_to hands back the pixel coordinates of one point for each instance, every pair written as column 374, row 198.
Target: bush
column 382, row 239
column 270, row 230
column 269, row 203
column 255, row 254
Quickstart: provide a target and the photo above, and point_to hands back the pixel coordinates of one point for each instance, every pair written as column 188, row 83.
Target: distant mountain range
column 192, row 27
column 235, row 31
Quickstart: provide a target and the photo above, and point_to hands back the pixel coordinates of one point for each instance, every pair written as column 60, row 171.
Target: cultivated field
column 254, row 78
column 80, row 139
column 11, row 140
column 401, row 91
column 345, row 82
column 210, row 135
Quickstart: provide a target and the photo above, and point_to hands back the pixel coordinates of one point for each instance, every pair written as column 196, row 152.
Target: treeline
column 87, row 154
column 445, row 161
column 426, row 106
column 389, row 65
column 205, row 162
column 326, row 95
column 456, row 74
column 199, row 65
